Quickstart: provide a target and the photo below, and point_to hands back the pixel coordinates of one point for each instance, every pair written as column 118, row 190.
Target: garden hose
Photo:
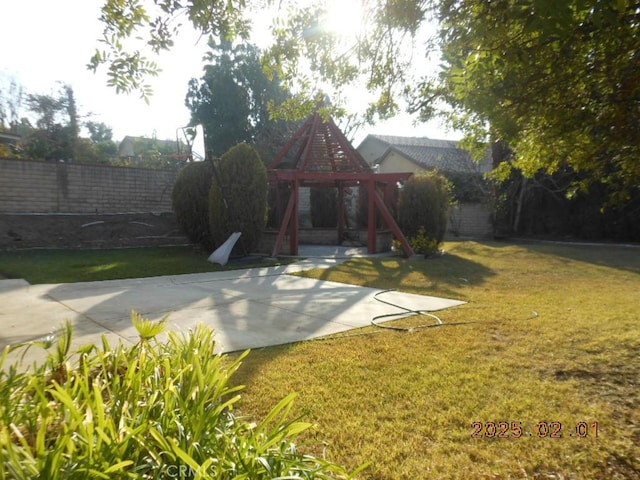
column 407, row 312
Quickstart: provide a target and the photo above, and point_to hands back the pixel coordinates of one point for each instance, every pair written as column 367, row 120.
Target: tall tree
column 557, row 81
column 57, row 125
column 99, row 147
column 232, row 99
column 99, row 132
column 11, row 97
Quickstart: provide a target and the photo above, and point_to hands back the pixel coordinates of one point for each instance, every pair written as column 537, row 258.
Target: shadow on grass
column 445, row 275
column 70, row 266
column 626, row 258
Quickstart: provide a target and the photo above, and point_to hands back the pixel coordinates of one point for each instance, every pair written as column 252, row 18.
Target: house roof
column 127, row 147
column 8, row 137
column 430, row 153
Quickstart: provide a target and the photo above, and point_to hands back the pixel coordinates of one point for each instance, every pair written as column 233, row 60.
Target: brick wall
column 29, row 186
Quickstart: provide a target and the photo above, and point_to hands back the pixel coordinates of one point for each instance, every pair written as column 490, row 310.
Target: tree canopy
column 232, row 99
column 557, row 81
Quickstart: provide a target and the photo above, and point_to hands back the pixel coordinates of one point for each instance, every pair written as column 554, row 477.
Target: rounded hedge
column 190, row 199
column 423, row 206
column 238, row 198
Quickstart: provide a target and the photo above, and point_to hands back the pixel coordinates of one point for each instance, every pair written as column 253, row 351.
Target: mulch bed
column 19, row 231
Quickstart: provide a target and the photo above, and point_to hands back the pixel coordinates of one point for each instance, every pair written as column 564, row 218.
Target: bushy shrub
column 238, row 197
column 423, row 244
column 324, row 207
column 190, row 198
column 148, row 411
column 424, row 204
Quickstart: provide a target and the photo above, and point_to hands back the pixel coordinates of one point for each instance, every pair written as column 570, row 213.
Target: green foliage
column 123, row 41
column 375, row 54
column 232, row 100
column 238, row 197
column 151, row 410
column 468, row 186
column 57, row 130
column 424, row 206
column 152, row 153
column 556, row 81
column 324, row 207
column 544, row 206
column 190, row 200
column 422, row 244
column 56, row 134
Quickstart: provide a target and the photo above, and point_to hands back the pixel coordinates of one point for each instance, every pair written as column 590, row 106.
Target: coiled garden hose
column 406, row 313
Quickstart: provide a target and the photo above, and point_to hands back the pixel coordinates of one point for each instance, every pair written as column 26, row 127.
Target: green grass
column 551, row 334
column 67, row 266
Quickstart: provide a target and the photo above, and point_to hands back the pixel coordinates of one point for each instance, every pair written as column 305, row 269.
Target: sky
column 47, row 43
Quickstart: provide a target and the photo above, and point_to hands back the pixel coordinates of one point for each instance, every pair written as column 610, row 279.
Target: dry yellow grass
column 551, row 334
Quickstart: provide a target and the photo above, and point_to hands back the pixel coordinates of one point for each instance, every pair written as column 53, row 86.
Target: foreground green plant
column 151, row 410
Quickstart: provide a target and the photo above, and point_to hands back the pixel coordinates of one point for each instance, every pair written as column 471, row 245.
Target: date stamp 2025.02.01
column 540, row 429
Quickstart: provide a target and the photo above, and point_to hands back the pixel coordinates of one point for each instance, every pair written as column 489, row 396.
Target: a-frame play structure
column 323, row 157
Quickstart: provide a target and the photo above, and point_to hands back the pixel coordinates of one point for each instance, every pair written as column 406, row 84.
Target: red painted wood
column 371, row 222
column 325, row 159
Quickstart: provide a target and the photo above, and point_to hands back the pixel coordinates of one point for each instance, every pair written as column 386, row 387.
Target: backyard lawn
column 62, row 266
column 536, row 377
column 540, row 380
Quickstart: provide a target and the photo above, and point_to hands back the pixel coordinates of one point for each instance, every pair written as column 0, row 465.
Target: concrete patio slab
column 247, row 308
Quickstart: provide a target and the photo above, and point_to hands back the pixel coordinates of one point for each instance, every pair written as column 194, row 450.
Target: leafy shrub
column 324, row 207
column 424, row 205
column 238, row 197
column 469, row 187
column 422, row 244
column 190, row 199
column 152, row 410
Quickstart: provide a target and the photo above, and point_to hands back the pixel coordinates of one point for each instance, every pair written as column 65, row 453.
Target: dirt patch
column 89, row 231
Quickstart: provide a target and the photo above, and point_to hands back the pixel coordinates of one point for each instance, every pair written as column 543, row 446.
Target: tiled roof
column 396, row 141
column 432, row 153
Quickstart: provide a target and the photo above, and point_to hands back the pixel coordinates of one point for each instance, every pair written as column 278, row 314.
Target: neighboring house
column 11, row 141
column 390, row 154
column 130, row 146
column 151, row 152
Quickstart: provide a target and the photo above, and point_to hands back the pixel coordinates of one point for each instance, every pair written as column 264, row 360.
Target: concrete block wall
column 31, row 186
column 329, row 236
column 470, row 220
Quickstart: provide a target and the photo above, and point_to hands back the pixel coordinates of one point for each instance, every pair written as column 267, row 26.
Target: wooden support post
column 388, row 194
column 371, row 222
column 295, row 219
column 285, row 224
column 340, row 207
column 391, row 223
